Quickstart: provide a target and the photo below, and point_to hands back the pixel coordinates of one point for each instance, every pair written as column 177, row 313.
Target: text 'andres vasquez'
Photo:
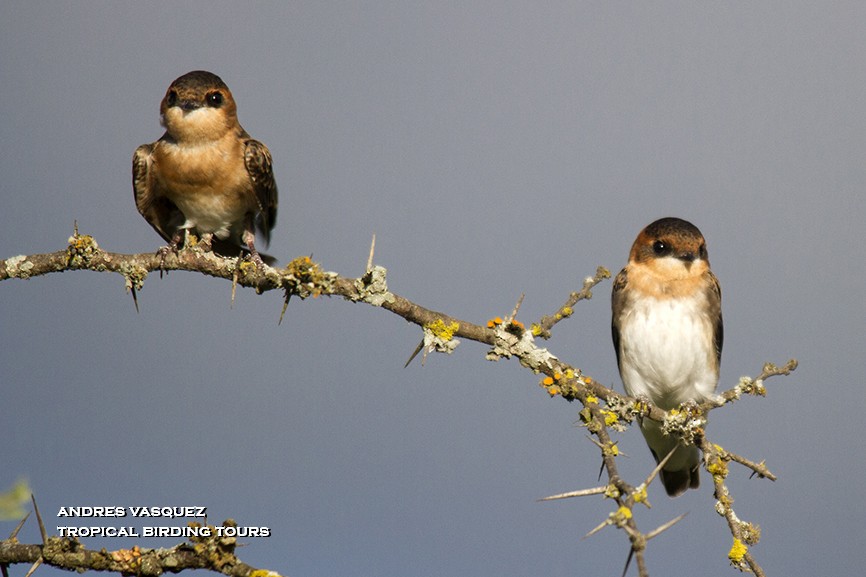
column 164, row 512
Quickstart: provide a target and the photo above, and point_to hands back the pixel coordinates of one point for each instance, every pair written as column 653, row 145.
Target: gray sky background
column 495, row 148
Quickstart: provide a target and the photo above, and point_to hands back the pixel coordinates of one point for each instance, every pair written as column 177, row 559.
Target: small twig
column 758, row 469
column 542, row 328
column 771, row 370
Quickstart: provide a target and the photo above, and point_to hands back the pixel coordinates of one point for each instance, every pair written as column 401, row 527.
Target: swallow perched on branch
column 206, row 175
column 667, row 333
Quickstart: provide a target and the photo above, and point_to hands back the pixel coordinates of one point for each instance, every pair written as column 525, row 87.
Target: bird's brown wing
column 161, row 213
column 257, row 159
column 617, row 297
column 716, row 311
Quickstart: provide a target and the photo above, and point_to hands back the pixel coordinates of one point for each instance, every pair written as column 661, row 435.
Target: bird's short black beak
column 189, row 105
column 688, row 258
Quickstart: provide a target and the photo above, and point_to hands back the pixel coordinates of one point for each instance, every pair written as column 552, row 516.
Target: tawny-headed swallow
column 667, row 332
column 205, row 175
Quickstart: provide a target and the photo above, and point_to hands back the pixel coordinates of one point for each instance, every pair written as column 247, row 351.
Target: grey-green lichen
column 523, row 347
column 625, row 410
column 749, row 386
column 373, row 288
column 19, row 267
column 686, row 423
column 134, row 275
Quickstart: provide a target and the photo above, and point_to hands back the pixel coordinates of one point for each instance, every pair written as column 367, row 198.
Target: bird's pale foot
column 164, row 251
column 206, row 242
column 249, row 239
column 691, row 407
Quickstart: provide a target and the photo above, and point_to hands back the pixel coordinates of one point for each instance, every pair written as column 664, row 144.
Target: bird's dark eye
column 172, row 98
column 214, row 99
column 661, row 248
column 702, row 251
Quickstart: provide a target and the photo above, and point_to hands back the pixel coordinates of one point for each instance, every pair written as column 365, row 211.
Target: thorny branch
column 214, row 553
column 603, row 408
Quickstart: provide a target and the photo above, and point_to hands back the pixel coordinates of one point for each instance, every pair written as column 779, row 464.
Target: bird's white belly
column 210, row 213
column 667, row 351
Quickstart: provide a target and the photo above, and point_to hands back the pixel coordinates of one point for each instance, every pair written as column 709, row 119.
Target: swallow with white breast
column 667, row 333
column 205, row 175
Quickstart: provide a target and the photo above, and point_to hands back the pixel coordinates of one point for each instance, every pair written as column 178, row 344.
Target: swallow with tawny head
column 205, row 175
column 667, row 334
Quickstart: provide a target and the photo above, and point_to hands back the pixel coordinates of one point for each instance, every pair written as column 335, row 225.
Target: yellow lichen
column 621, row 515
column 738, row 552
column 310, row 279
column 610, row 418
column 442, row 331
column 248, row 267
column 718, row 468
column 264, row 573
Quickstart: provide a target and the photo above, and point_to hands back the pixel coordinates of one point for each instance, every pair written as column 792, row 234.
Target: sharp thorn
column 18, row 527
column 415, row 353
column 285, row 306
column 33, row 567
column 628, row 561
column 578, row 493
column 39, row 519
column 372, row 250
column 662, row 528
